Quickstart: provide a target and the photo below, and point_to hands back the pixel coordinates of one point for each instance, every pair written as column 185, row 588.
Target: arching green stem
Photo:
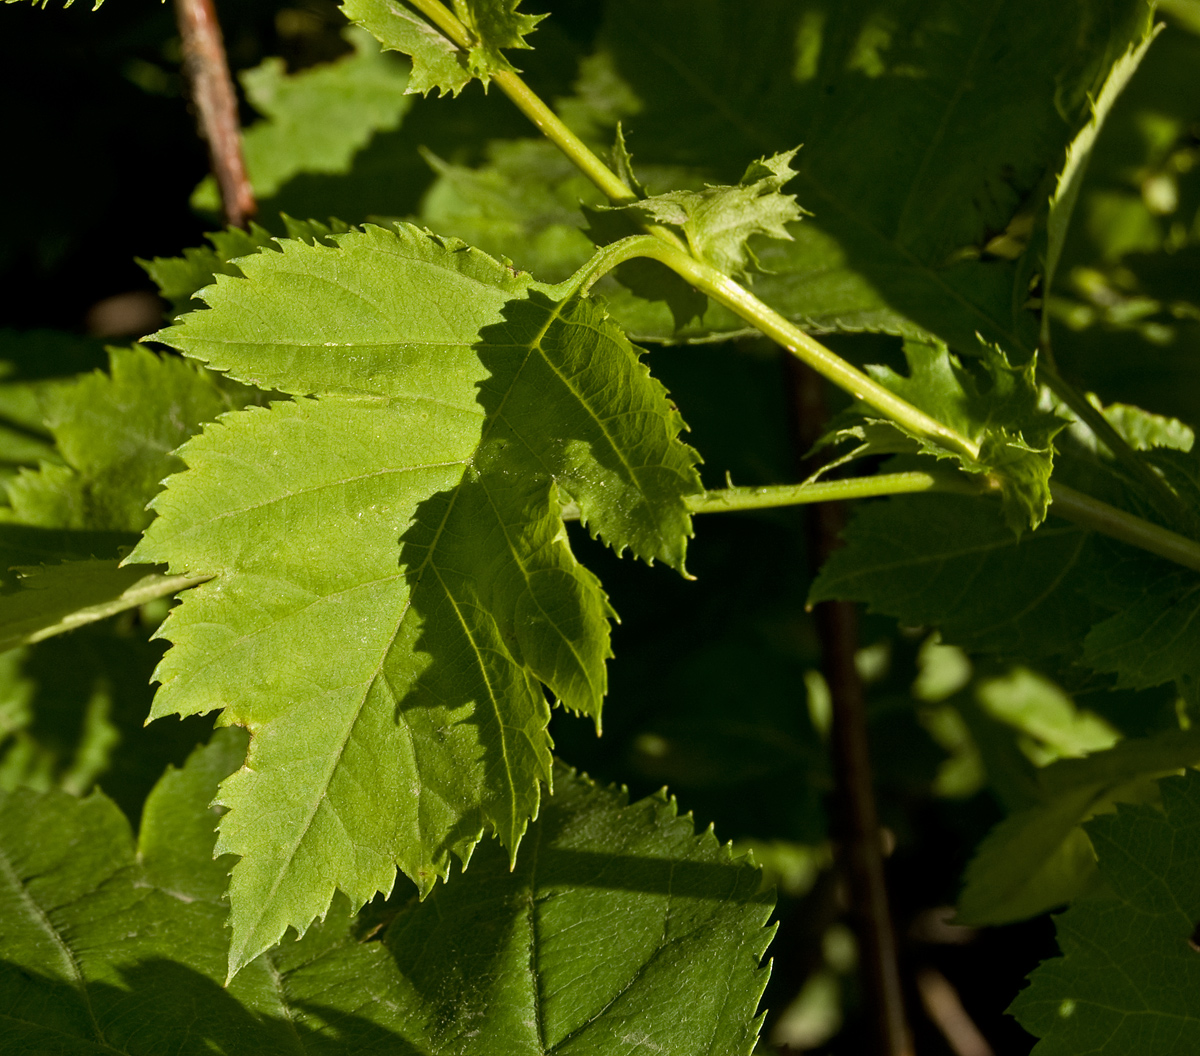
column 721, row 288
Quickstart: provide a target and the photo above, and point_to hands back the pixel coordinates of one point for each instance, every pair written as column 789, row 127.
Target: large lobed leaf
column 1129, row 974
column 106, row 951
column 393, row 580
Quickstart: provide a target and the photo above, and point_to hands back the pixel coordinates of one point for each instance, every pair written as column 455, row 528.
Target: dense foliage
column 346, row 526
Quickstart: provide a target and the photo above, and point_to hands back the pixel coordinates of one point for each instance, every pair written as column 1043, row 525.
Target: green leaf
column 1153, row 638
column 998, row 411
column 719, row 221
column 930, row 133
column 949, row 562
column 628, row 888
column 116, row 433
column 522, row 203
column 103, row 951
column 66, row 3
column 437, row 61
column 1128, row 976
column 1040, row 858
column 179, row 279
column 73, row 714
column 494, row 24
column 55, row 599
column 32, row 364
column 1062, row 204
column 395, row 552
column 316, row 120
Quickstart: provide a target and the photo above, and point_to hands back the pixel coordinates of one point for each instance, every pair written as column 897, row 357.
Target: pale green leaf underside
column 1128, row 978
column 719, row 221
column 102, row 952
column 393, row 555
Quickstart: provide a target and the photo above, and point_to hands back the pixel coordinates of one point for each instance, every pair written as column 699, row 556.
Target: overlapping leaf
column 105, row 950
column 1129, row 974
column 66, row 524
column 393, row 554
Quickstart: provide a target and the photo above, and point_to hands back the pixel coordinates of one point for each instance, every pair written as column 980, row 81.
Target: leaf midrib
column 42, row 921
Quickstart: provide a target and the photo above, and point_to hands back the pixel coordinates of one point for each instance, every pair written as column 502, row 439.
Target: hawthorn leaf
column 719, row 221
column 394, row 551
column 66, row 3
column 437, row 62
column 1128, row 977
column 495, row 24
column 932, row 137
column 316, row 120
column 95, row 959
column 522, row 202
column 949, row 562
column 32, row 364
column 116, row 432
column 1040, row 858
column 54, row 599
column 1070, row 179
column 1154, row 637
column 670, row 926
column 179, row 279
column 105, row 950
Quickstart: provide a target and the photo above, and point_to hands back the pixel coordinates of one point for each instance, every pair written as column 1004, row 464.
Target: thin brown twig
column 207, row 70
column 946, row 1010
column 859, row 840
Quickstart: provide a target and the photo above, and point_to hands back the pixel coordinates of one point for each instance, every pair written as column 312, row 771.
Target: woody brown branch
column 207, row 70
column 860, row 847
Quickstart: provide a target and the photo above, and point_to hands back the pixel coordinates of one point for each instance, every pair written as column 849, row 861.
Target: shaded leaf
column 116, row 433
column 1040, row 858
column 928, row 131
column 996, row 407
column 102, row 950
column 950, row 563
column 1128, row 977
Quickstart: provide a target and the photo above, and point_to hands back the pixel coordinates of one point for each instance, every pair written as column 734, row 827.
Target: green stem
column 668, row 248
column 731, row 500
column 1164, row 499
column 727, row 500
column 1108, row 520
column 531, row 105
column 722, row 289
